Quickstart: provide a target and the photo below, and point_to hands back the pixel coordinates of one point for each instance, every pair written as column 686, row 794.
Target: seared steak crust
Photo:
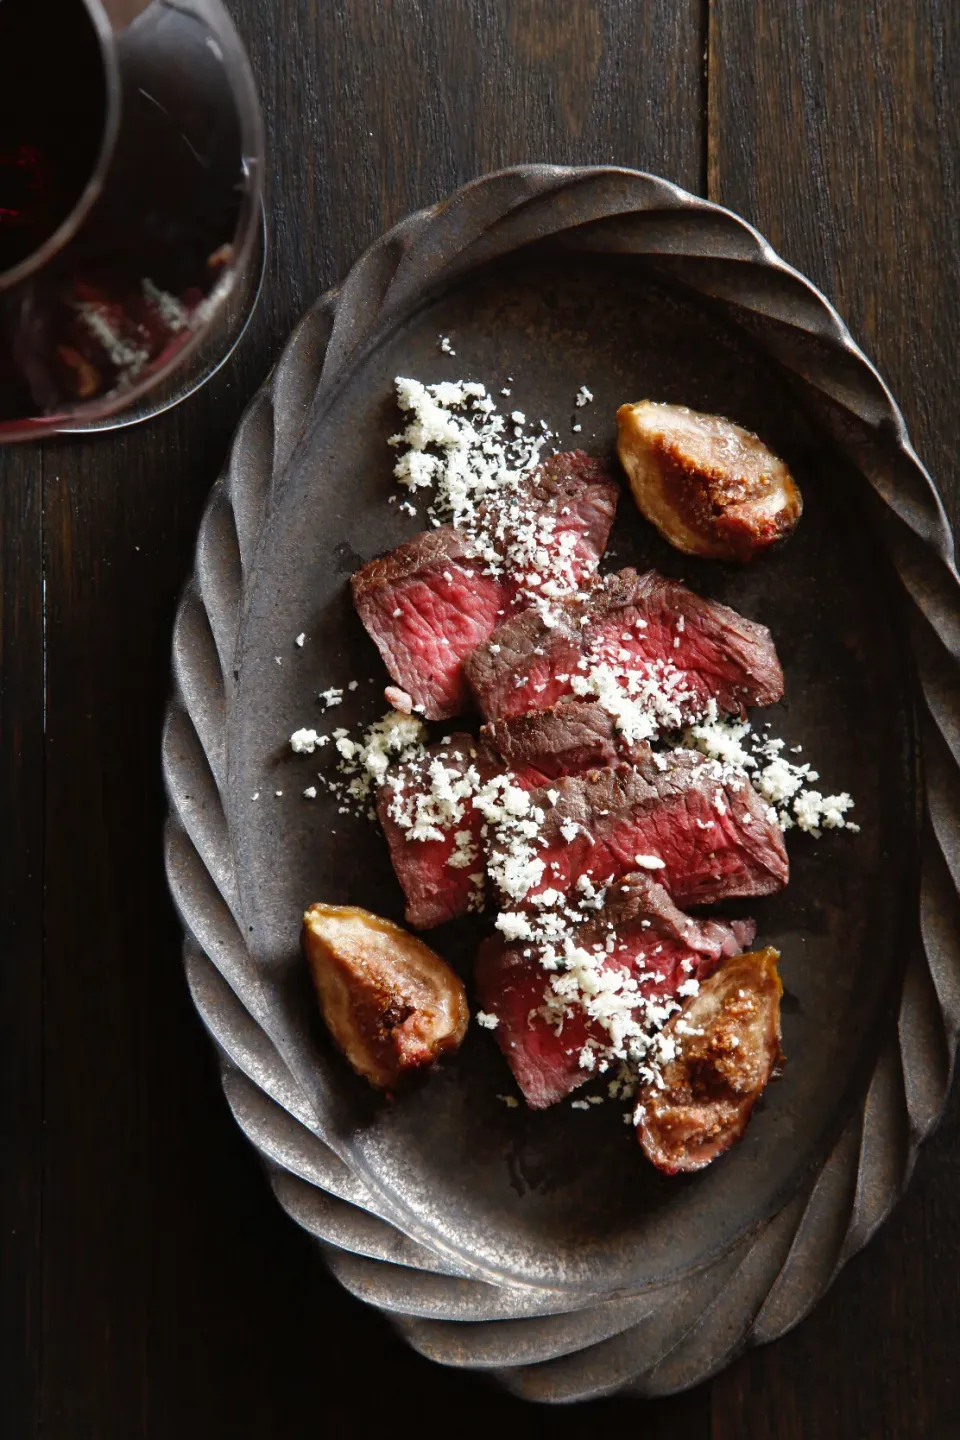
column 578, row 494
column 570, row 737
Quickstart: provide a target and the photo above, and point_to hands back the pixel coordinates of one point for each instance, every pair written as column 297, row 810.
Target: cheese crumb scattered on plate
column 304, row 742
column 489, row 1022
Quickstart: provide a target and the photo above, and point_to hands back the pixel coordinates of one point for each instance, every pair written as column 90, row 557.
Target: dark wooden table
column 150, row 1286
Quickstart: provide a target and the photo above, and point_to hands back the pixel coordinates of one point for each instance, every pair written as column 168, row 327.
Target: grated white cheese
column 644, row 695
column 362, row 764
column 489, row 1022
column 787, row 787
column 815, row 812
column 513, row 925
column 457, row 445
column 304, row 742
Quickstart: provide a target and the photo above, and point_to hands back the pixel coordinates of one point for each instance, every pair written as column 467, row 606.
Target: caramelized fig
column 390, row 1003
column 726, row 1046
column 711, row 488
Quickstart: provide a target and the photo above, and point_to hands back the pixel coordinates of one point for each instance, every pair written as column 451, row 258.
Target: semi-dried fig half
column 726, row 1045
column 711, row 488
column 390, row 1003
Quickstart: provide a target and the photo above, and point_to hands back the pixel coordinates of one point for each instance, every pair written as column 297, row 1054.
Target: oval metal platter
column 540, row 1247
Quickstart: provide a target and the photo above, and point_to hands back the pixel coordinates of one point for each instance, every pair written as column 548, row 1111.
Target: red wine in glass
column 130, row 159
column 52, row 119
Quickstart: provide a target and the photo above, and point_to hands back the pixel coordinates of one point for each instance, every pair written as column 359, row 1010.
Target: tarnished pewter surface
column 540, row 1246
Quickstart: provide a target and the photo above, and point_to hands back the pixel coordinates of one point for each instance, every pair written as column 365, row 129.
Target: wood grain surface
column 149, row 1284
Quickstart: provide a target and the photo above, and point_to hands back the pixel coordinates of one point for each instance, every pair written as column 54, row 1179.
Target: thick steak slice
column 570, row 737
column 697, row 825
column 555, row 525
column 433, row 600
column 426, row 605
column 657, row 947
column 433, row 833
column 645, row 630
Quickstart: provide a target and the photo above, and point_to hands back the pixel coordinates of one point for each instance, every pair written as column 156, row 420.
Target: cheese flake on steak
column 592, row 991
column 519, row 532
column 703, row 820
column 648, row 648
column 433, row 830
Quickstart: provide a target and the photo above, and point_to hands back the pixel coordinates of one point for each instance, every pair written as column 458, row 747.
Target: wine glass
column 131, row 224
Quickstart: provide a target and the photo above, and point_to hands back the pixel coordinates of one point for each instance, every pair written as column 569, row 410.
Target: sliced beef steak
column 433, row 600
column 426, row 605
column 656, row 949
column 433, row 833
column 697, row 825
column 655, row 638
column 556, row 525
column 570, row 737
